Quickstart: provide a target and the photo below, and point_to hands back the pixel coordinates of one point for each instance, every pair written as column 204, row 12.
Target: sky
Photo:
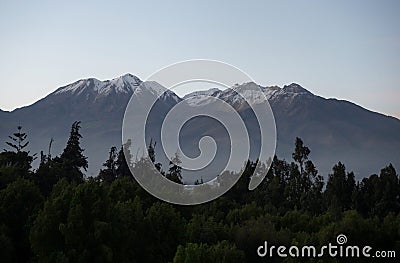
column 342, row 49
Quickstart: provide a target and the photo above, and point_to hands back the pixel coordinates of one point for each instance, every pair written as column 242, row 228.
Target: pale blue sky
column 343, row 49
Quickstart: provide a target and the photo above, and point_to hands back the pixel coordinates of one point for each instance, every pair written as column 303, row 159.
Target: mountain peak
column 126, row 83
column 209, row 92
column 127, row 78
column 295, row 88
column 246, row 86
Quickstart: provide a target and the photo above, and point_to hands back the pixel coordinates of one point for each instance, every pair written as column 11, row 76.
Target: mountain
column 334, row 130
column 249, row 92
column 337, row 130
column 100, row 105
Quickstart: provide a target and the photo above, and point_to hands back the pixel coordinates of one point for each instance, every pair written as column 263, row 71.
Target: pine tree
column 175, row 171
column 18, row 140
column 151, row 151
column 72, row 156
column 199, row 182
column 123, row 165
column 152, row 155
column 19, row 158
column 110, row 173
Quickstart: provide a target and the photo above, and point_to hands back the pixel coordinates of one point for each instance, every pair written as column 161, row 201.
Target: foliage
column 53, row 214
column 175, row 171
column 20, row 202
column 18, row 140
column 72, row 158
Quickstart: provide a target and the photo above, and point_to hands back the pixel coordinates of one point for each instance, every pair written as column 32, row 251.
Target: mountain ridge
column 192, row 93
column 335, row 130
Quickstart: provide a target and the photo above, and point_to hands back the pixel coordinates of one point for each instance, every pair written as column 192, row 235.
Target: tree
column 175, row 171
column 293, row 188
column 199, row 182
column 389, row 192
column 48, row 173
column 131, row 242
column 299, row 182
column 47, row 240
column 14, row 164
column 18, row 139
column 273, row 189
column 88, row 231
column 312, row 185
column 110, row 173
column 301, row 153
column 89, row 221
column 204, row 229
column 17, row 162
column 122, row 164
column 378, row 195
column 18, row 158
column 152, row 155
column 72, row 156
column 339, row 188
column 166, row 229
column 18, row 203
column 240, row 191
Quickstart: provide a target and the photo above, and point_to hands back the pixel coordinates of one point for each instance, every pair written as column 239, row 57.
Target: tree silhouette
column 48, row 215
column 175, row 171
column 339, row 188
column 123, row 165
column 18, row 162
column 110, row 173
column 72, row 157
column 300, row 154
column 152, row 155
column 18, row 140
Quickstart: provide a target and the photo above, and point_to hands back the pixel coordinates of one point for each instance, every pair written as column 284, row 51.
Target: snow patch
column 123, row 84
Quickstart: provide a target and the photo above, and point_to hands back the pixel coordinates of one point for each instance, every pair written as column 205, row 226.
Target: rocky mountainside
column 335, row 130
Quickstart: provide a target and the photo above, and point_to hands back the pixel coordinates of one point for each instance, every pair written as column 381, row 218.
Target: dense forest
column 55, row 214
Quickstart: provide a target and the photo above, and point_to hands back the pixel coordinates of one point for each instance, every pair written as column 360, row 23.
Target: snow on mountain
column 326, row 125
column 129, row 84
column 201, row 97
column 124, row 84
column 155, row 89
column 209, row 92
column 249, row 92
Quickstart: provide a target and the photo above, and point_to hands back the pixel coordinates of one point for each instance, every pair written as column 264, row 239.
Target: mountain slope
column 337, row 131
column 334, row 130
column 100, row 105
